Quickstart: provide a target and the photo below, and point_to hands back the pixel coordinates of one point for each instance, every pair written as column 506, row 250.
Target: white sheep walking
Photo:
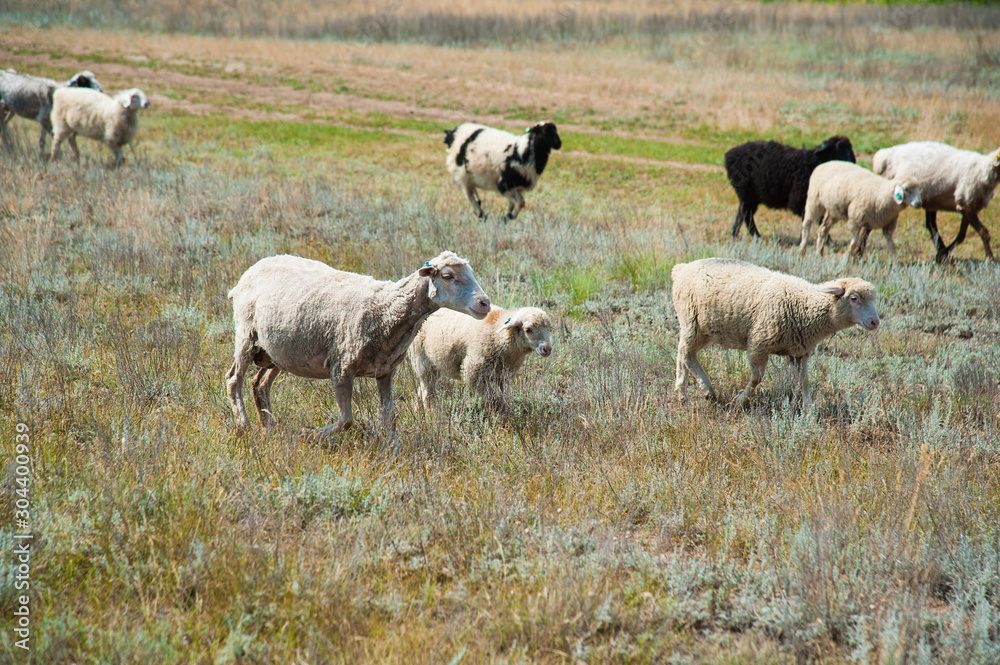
column 492, row 159
column 950, row 180
column 841, row 190
column 31, row 97
column 112, row 120
column 303, row 317
column 738, row 305
column 482, row 354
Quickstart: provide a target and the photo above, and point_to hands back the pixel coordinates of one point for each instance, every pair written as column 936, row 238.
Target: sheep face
column 453, row 285
column 855, row 304
column 85, row 79
column 836, row 148
column 907, row 193
column 133, row 98
column 531, row 325
column 547, row 130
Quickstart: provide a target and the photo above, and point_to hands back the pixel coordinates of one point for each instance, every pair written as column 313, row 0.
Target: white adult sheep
column 113, row 120
column 303, row 317
column 742, row 306
column 31, row 97
column 482, row 354
column 841, row 190
column 950, row 179
column 492, row 159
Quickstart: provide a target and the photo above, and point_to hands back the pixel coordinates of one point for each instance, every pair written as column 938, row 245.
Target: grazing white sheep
column 950, row 180
column 303, row 317
column 481, row 354
column 841, row 190
column 492, row 159
column 742, row 306
column 112, row 120
column 31, row 97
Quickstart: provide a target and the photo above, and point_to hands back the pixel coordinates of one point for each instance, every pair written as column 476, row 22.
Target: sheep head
column 854, row 302
column 531, row 325
column 907, row 192
column 133, row 98
column 453, row 285
column 836, row 148
column 547, row 131
column 85, row 79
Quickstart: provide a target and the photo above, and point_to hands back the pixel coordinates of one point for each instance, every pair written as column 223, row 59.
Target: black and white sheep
column 31, row 97
column 492, row 159
column 738, row 305
column 777, row 175
column 950, row 180
column 482, row 354
column 112, row 120
column 303, row 317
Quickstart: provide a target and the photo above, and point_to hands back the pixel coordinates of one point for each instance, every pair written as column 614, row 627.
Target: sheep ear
column 832, row 289
column 898, row 195
column 512, row 322
column 427, row 270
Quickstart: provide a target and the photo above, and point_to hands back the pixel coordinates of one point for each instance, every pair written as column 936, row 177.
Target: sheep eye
column 447, row 275
column 527, row 330
column 854, row 297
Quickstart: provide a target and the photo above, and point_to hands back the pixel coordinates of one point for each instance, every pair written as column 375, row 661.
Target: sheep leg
column 687, row 360
column 426, row 386
column 801, row 366
column 887, row 232
column 119, row 157
column 758, row 362
column 741, row 214
column 72, row 145
column 859, row 238
column 748, row 218
column 242, row 358
column 473, row 196
column 823, row 239
column 384, row 384
column 344, row 391
column 943, row 252
column 516, row 204
column 982, row 231
column 262, row 395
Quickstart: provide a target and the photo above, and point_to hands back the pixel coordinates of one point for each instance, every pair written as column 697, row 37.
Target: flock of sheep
column 303, row 317
column 65, row 109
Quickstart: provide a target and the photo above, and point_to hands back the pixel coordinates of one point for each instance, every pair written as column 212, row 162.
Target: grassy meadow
column 607, row 522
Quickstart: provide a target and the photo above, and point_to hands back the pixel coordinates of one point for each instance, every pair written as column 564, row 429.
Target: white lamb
column 841, row 190
column 492, row 159
column 303, row 317
column 481, row 354
column 113, row 120
column 951, row 180
column 742, row 306
column 31, row 97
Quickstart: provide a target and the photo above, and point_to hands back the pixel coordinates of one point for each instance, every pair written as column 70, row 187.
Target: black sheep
column 777, row 175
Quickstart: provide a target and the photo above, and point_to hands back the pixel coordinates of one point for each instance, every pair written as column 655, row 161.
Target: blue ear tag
column 527, row 130
column 427, row 264
column 507, row 321
column 899, row 197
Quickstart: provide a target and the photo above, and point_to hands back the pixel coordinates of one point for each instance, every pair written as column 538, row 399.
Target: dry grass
column 607, row 522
